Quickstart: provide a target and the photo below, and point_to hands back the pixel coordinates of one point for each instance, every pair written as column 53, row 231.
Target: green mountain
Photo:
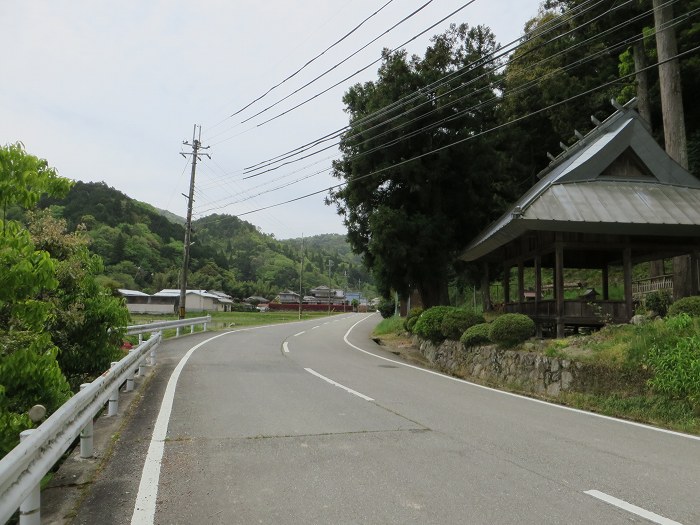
column 142, row 248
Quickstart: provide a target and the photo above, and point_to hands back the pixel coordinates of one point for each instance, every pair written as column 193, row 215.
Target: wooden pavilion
column 615, row 198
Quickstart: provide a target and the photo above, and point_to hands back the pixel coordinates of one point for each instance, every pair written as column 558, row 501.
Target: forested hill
column 142, row 248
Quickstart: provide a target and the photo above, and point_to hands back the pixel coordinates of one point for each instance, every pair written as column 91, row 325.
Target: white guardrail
column 23, row 468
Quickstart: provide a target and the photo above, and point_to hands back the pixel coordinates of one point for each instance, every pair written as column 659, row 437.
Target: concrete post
column 86, row 444
column 130, row 378
column 30, row 509
column 113, row 404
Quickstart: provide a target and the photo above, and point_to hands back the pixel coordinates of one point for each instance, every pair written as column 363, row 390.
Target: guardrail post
column 177, row 332
column 130, row 377
column 30, row 509
column 192, row 328
column 140, row 338
column 86, row 449
column 204, row 329
column 153, row 356
column 113, row 405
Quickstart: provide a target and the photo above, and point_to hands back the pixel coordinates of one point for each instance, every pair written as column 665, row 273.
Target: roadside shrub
column 386, row 308
column 411, row 318
column 456, row 321
column 659, row 301
column 429, row 324
column 687, row 305
column 676, row 364
column 476, row 335
column 511, row 329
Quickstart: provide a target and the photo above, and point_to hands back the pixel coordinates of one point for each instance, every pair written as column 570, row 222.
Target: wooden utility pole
column 301, row 274
column 673, row 118
column 196, row 146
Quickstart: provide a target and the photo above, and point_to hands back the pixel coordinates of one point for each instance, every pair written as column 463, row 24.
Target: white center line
column 631, row 508
column 353, row 392
column 314, row 328
column 285, row 346
column 300, row 333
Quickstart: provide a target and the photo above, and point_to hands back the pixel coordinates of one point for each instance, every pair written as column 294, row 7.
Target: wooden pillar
column 606, row 282
column 627, row 269
column 485, row 288
column 695, row 272
column 521, row 285
column 506, row 284
column 538, row 291
column 559, row 285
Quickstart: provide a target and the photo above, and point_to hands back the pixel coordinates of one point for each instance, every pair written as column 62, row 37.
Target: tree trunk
column 434, row 292
column 673, row 119
column 640, row 62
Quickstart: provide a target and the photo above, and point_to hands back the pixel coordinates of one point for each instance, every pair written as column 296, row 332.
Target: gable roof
column 616, row 179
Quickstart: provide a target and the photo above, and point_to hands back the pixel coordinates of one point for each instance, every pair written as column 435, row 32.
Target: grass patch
column 390, row 325
column 227, row 320
column 656, row 410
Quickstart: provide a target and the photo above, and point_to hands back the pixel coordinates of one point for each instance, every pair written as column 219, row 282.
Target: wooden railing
column 642, row 287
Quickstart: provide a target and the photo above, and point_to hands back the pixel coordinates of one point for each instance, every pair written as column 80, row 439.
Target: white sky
column 107, row 91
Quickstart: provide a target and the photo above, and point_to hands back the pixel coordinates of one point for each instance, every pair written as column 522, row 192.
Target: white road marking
column 350, row 390
column 314, row 328
column 285, row 346
column 631, row 508
column 504, row 393
column 145, row 507
column 300, row 333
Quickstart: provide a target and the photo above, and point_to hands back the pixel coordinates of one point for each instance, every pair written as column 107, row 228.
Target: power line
column 472, row 137
column 314, row 59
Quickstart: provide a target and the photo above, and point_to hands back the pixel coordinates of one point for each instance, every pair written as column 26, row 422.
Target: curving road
column 314, row 423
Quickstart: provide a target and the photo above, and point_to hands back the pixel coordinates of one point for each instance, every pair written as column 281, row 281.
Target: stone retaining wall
column 527, row 370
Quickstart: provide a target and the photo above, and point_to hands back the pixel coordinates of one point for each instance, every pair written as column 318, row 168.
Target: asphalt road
column 314, row 423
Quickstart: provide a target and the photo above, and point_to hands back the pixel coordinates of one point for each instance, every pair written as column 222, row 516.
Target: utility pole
column 301, row 274
column 329, row 285
column 196, row 145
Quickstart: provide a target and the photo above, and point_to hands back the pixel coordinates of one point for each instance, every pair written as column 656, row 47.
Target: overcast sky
column 107, row 91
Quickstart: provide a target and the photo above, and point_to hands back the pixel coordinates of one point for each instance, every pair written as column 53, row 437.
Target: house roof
column 131, row 293
column 172, row 292
column 616, row 179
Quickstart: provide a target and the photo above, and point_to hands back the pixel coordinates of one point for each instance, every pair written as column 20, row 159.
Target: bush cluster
column 511, row 329
column 479, row 334
column 456, row 321
column 412, row 318
column 687, row 305
column 659, row 301
column 386, row 308
column 429, row 324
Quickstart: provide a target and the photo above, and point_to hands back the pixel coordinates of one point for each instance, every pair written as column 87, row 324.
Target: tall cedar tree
column 409, row 220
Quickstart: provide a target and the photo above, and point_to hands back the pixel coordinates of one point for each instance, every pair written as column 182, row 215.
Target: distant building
column 141, row 303
column 200, row 300
column 322, row 294
column 288, row 297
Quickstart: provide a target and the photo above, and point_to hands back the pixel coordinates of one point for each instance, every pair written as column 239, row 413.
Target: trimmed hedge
column 687, row 305
column 412, row 318
column 456, row 321
column 479, row 334
column 511, row 329
column 429, row 324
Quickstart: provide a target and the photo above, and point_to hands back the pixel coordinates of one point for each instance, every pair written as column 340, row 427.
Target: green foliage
column 479, row 334
column 676, row 364
column 429, row 324
column 390, row 325
column 409, row 221
column 386, row 308
column 456, row 321
column 658, row 301
column 511, row 329
column 686, row 305
column 412, row 318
